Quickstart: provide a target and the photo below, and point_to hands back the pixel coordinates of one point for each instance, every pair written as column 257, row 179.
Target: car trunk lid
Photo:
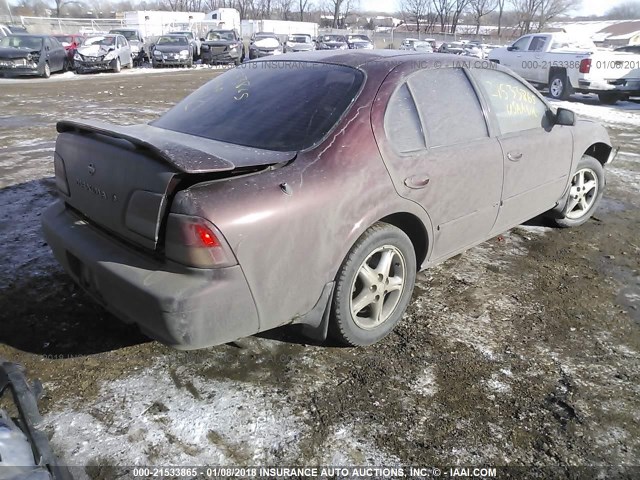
column 122, row 178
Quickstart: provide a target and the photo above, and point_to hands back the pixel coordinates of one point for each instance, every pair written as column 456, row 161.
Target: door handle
column 514, row 156
column 417, row 181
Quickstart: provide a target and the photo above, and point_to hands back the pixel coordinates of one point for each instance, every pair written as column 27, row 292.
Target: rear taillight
column 61, row 174
column 195, row 242
column 585, row 65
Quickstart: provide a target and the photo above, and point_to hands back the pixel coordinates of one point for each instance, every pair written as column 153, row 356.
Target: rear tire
column 585, row 192
column 373, row 286
column 609, row 98
column 559, row 87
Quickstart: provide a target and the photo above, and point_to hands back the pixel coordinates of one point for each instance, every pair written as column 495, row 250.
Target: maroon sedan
column 310, row 190
column 70, row 42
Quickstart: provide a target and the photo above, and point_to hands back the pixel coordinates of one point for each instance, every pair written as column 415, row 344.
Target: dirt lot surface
column 522, row 351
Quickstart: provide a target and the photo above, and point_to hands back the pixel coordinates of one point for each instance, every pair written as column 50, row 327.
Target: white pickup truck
column 566, row 65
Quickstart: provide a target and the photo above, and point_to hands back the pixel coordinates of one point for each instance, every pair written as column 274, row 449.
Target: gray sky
column 589, row 7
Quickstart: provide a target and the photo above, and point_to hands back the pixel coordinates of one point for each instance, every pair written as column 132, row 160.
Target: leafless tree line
column 526, row 15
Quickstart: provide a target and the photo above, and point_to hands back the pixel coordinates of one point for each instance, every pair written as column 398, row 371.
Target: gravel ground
column 522, row 351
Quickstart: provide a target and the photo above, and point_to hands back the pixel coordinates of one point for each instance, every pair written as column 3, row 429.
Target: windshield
column 244, row 106
column 189, row 35
column 229, row 36
column 128, row 34
column 173, row 41
column 23, row 42
column 358, row 37
column 262, row 36
column 333, row 38
column 300, row 39
column 106, row 41
column 64, row 39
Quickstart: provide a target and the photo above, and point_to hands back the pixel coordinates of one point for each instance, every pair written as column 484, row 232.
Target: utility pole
column 9, row 10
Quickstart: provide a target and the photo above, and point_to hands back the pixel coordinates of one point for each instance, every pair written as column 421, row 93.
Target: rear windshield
column 173, row 41
column 254, row 105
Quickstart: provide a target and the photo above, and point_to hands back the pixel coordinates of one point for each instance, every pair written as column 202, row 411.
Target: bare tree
column 525, row 11
column 458, row 9
column 550, row 9
column 500, row 5
column 284, row 6
column 628, row 10
column 481, row 8
column 414, row 11
column 443, row 10
column 336, row 7
column 305, row 6
column 62, row 3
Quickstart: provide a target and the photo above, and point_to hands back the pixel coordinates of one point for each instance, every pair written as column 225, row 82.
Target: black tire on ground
column 356, row 285
column 609, row 98
column 154, row 64
column 559, row 86
column 46, row 71
column 117, row 67
column 237, row 62
column 190, row 63
column 582, row 199
column 66, row 65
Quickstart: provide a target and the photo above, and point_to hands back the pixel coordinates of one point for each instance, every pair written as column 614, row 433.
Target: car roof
column 22, row 34
column 359, row 58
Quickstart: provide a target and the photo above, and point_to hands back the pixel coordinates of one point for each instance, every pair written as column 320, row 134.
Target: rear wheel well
column 554, row 70
column 599, row 151
column 414, row 228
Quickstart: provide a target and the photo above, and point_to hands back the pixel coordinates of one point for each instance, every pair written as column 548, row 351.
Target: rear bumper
column 186, row 308
column 629, row 87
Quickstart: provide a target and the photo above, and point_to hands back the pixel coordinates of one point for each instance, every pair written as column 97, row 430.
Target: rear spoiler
column 187, row 153
column 25, row 400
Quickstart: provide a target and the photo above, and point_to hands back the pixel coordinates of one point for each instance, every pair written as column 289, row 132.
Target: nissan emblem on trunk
column 92, row 169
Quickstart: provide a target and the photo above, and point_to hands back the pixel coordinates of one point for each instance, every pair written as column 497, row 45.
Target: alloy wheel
column 377, row 287
column 583, row 193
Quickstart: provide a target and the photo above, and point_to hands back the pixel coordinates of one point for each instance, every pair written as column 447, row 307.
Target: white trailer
column 154, row 22
column 224, row 18
column 279, row 27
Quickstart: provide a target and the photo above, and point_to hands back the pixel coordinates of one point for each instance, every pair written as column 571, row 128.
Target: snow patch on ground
column 72, row 76
column 348, row 447
column 144, row 419
column 426, row 383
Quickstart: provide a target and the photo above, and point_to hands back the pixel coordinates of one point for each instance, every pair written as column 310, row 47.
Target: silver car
column 105, row 52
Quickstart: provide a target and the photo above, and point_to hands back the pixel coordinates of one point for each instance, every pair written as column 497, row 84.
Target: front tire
column 117, row 67
column 46, row 72
column 373, row 287
column 585, row 192
column 559, row 86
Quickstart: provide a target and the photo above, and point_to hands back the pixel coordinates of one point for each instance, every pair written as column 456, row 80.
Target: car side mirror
column 565, row 117
column 202, row 39
column 511, row 48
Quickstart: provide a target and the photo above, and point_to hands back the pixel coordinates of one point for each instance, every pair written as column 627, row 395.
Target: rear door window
column 402, row 122
column 448, row 106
